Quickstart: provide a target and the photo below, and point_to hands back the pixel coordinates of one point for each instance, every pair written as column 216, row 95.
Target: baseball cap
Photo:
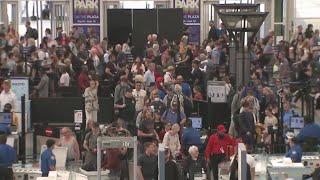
column 128, row 89
column 221, row 128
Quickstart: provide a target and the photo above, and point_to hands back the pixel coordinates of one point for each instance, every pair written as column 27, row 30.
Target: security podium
column 105, row 142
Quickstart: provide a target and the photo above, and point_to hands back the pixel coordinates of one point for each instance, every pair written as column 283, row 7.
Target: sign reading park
column 191, row 18
column 86, row 11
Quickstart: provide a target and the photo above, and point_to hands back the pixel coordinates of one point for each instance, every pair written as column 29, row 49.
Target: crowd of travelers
column 154, row 95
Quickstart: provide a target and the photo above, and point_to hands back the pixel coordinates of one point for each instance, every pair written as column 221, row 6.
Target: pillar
column 290, row 15
column 204, row 17
column 269, row 21
column 4, row 12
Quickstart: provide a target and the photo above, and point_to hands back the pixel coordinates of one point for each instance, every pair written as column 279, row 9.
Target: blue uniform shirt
column 191, row 136
column 47, row 159
column 295, row 153
column 309, row 131
column 7, row 155
column 5, row 128
column 186, row 90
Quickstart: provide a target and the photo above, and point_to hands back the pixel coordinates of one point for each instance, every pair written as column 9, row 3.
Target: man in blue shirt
column 190, row 137
column 173, row 116
column 48, row 159
column 310, row 130
column 295, row 151
column 186, row 90
column 7, row 157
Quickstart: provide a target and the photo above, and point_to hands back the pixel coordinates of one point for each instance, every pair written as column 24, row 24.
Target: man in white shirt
column 149, row 76
column 64, row 79
column 106, row 57
column 139, row 95
column 8, row 96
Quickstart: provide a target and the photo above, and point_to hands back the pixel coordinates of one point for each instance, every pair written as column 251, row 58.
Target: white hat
column 290, row 135
column 1, row 22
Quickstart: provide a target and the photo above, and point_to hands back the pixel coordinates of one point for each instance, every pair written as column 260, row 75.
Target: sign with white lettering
column 216, row 91
column 86, row 11
column 117, row 142
column 78, row 116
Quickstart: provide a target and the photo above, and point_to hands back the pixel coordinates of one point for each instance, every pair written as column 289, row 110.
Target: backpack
column 34, row 34
column 236, row 119
column 230, row 96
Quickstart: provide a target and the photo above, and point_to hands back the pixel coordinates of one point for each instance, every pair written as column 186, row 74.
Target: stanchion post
column 22, row 143
column 242, row 162
column 135, row 157
column 99, row 158
column 161, row 162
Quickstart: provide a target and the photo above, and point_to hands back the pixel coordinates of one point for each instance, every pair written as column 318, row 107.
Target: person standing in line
column 48, row 159
column 65, row 78
column 7, row 157
column 7, row 96
column 43, row 86
column 148, row 163
column 68, row 140
column 83, row 79
column 90, row 145
column 91, row 101
column 217, row 149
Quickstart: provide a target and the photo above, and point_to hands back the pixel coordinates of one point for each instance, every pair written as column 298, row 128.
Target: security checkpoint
column 105, row 142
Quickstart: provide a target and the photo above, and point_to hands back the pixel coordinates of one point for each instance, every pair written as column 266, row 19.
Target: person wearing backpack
column 31, row 33
column 235, row 107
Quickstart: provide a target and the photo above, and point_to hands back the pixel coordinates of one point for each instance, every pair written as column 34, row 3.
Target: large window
column 137, row 4
column 307, row 12
column 307, row 9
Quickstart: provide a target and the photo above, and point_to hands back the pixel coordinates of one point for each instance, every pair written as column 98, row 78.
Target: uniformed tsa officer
column 295, row 151
column 48, row 159
column 7, row 157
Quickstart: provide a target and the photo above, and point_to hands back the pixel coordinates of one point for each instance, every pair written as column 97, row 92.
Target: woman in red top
column 64, row 39
column 218, row 148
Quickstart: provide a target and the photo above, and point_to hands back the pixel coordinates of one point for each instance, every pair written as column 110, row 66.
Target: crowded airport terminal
column 159, row 90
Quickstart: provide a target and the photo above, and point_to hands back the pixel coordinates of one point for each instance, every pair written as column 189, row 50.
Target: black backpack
column 34, row 34
column 236, row 119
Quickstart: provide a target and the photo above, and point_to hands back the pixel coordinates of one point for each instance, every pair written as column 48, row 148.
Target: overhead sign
column 191, row 18
column 86, row 11
column 216, row 91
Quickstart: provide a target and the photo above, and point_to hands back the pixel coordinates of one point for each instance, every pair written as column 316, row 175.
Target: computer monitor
column 5, row 118
column 296, row 122
column 196, row 122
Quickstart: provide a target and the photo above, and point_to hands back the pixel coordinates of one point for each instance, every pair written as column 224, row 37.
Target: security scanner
column 311, row 160
column 105, row 142
column 93, row 175
column 283, row 168
column 21, row 171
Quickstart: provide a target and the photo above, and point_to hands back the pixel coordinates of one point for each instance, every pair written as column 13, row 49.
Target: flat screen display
column 5, row 118
column 296, row 122
column 196, row 122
